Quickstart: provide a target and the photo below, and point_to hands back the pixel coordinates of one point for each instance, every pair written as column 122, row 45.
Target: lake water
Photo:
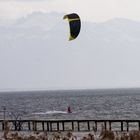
column 85, row 104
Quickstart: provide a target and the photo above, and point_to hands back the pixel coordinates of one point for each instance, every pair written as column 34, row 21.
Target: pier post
column 29, row 126
column 43, row 128
column 3, row 125
column 34, row 125
column 48, row 126
column 95, row 128
column 121, row 125
column 19, row 125
column 15, row 125
column 57, row 126
column 127, row 125
column 110, row 125
column 88, row 124
column 72, row 126
column 139, row 125
column 51, row 126
column 78, row 126
column 63, row 127
column 105, row 125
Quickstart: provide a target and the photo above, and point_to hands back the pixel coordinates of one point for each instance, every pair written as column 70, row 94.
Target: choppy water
column 86, row 104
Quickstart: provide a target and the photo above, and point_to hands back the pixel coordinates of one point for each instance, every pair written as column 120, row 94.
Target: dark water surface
column 86, row 104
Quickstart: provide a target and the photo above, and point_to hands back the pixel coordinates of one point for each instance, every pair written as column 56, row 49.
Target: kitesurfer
column 69, row 109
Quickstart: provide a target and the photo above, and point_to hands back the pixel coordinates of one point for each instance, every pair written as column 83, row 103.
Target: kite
column 74, row 24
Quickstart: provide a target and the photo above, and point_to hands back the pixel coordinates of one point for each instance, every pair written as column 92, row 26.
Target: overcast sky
column 91, row 10
column 83, row 64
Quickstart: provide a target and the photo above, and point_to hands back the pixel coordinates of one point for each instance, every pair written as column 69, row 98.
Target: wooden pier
column 71, row 125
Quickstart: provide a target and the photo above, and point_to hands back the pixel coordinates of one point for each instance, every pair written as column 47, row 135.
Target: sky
column 90, row 10
column 123, row 73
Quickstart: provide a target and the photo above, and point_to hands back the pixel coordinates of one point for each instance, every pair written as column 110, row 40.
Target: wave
column 50, row 112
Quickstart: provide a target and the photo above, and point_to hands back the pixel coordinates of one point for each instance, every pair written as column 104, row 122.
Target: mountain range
column 35, row 53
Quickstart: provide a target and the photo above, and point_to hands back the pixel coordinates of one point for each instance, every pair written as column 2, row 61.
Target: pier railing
column 70, row 125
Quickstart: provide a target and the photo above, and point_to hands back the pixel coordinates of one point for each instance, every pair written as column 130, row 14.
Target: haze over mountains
column 35, row 54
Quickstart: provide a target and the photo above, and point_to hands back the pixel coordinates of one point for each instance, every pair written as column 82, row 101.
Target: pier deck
column 71, row 125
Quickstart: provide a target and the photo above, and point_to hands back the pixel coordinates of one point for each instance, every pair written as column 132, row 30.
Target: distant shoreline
column 137, row 89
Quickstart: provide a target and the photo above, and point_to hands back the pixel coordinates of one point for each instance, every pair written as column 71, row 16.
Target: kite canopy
column 74, row 24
